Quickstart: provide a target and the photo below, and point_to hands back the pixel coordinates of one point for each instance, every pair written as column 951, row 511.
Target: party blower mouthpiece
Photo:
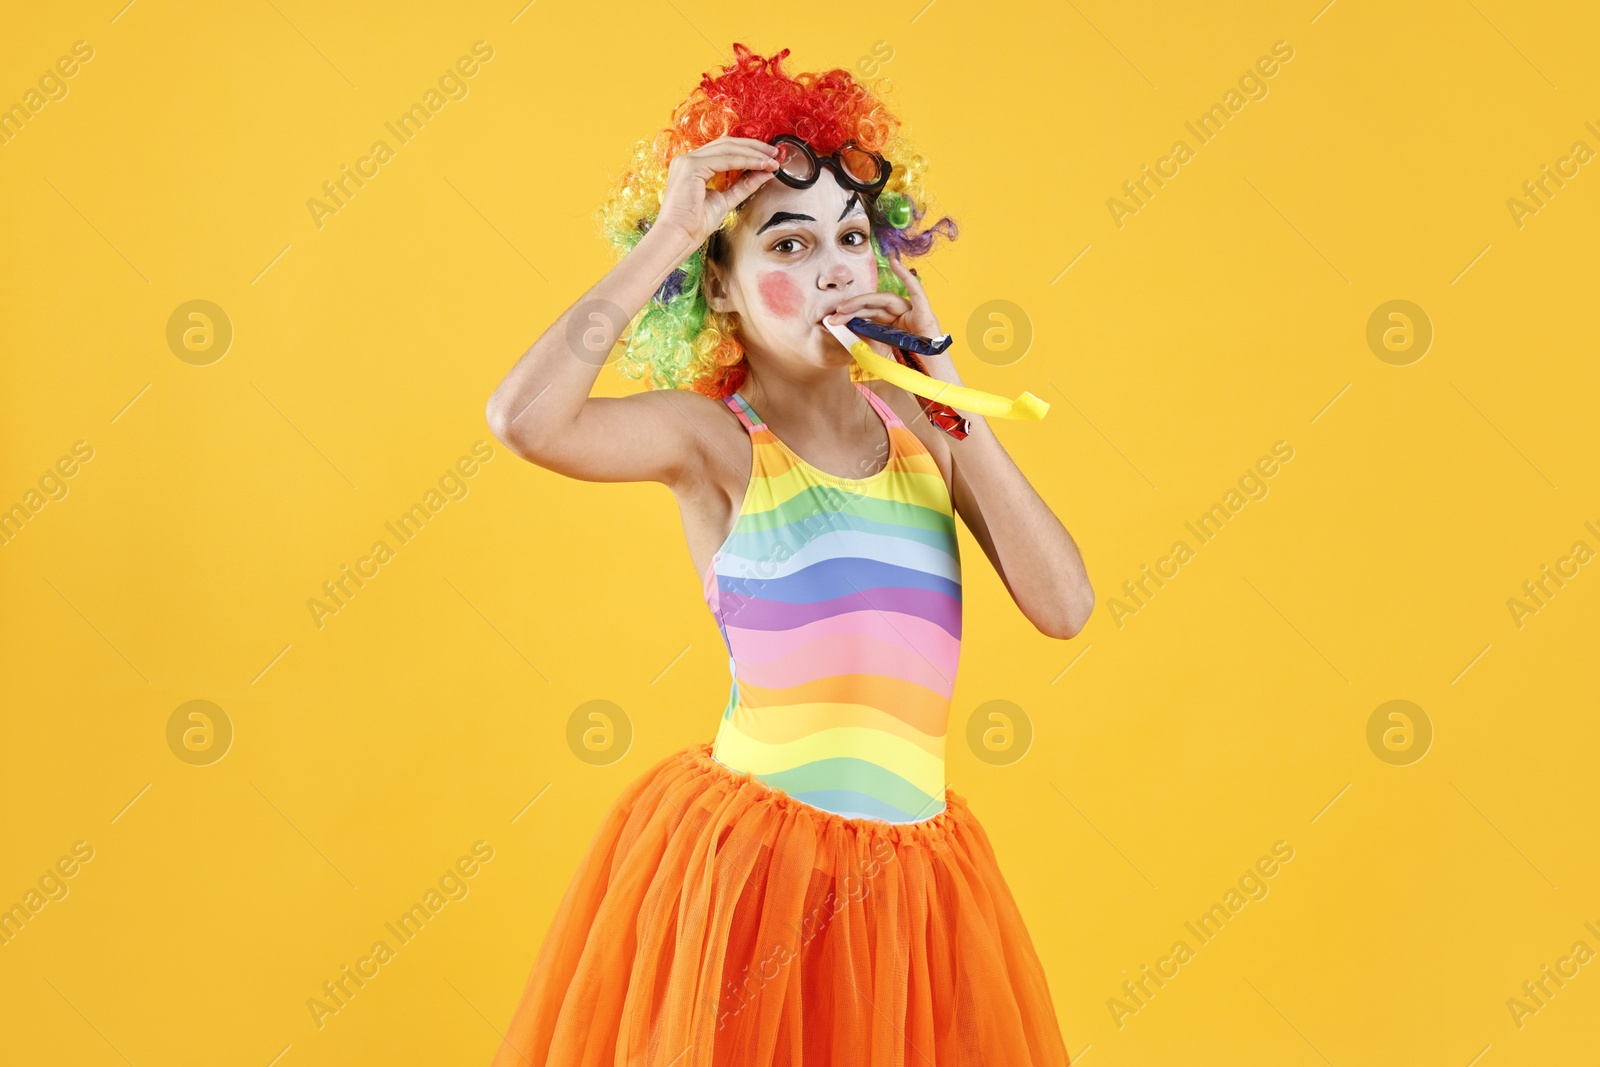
column 913, row 379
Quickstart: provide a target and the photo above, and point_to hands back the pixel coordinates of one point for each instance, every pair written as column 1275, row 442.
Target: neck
column 826, row 401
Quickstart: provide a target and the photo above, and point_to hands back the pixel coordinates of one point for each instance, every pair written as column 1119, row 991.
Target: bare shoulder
column 711, row 489
column 905, row 405
column 674, row 436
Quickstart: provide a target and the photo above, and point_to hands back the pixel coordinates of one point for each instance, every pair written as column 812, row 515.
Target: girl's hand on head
column 690, row 207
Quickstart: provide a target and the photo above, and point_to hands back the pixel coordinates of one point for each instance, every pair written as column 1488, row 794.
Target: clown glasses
column 799, row 166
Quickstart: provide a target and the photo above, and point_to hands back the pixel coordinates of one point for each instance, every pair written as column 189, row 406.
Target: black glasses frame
column 872, row 188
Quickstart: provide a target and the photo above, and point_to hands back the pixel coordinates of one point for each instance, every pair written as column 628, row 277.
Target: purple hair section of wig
column 909, row 245
column 671, row 287
column 904, row 242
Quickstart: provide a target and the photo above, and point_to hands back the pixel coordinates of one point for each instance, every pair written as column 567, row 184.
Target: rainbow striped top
column 840, row 602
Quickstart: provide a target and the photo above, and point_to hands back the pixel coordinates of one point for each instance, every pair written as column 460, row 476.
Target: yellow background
column 1229, row 713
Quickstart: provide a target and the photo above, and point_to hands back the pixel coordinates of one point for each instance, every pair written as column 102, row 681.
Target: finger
column 724, row 145
column 747, row 185
column 706, row 168
column 746, row 142
column 880, row 296
column 892, row 303
column 729, row 159
column 730, row 179
column 872, row 314
column 913, row 283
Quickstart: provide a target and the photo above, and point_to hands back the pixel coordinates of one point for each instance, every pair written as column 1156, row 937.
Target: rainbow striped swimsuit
column 840, row 603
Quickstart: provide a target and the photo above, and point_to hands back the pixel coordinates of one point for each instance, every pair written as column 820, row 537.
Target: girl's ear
column 714, row 289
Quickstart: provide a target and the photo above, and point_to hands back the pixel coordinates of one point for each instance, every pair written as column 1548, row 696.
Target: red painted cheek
column 779, row 293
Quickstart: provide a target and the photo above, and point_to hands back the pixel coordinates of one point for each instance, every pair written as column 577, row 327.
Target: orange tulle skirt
column 716, row 920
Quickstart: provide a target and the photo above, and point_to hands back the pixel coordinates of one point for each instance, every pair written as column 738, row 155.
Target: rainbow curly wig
column 676, row 341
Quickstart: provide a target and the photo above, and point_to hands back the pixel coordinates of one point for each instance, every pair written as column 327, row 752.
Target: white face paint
column 794, row 255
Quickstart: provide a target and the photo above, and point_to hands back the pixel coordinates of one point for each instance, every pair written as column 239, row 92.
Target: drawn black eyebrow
column 854, row 200
column 783, row 216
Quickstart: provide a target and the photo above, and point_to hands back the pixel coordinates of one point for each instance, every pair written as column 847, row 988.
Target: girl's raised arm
column 543, row 412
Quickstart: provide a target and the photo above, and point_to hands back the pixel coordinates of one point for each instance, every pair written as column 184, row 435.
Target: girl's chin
column 820, row 348
column 834, row 353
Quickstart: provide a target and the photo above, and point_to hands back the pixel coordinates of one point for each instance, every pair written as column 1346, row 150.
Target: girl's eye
column 777, row 246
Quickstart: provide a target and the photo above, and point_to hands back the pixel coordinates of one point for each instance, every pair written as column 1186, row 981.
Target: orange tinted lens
column 860, row 165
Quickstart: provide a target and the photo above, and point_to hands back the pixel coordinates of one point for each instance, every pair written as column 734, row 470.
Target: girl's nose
column 836, row 275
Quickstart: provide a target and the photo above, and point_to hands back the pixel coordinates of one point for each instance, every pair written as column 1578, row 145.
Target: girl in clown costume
column 804, row 887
